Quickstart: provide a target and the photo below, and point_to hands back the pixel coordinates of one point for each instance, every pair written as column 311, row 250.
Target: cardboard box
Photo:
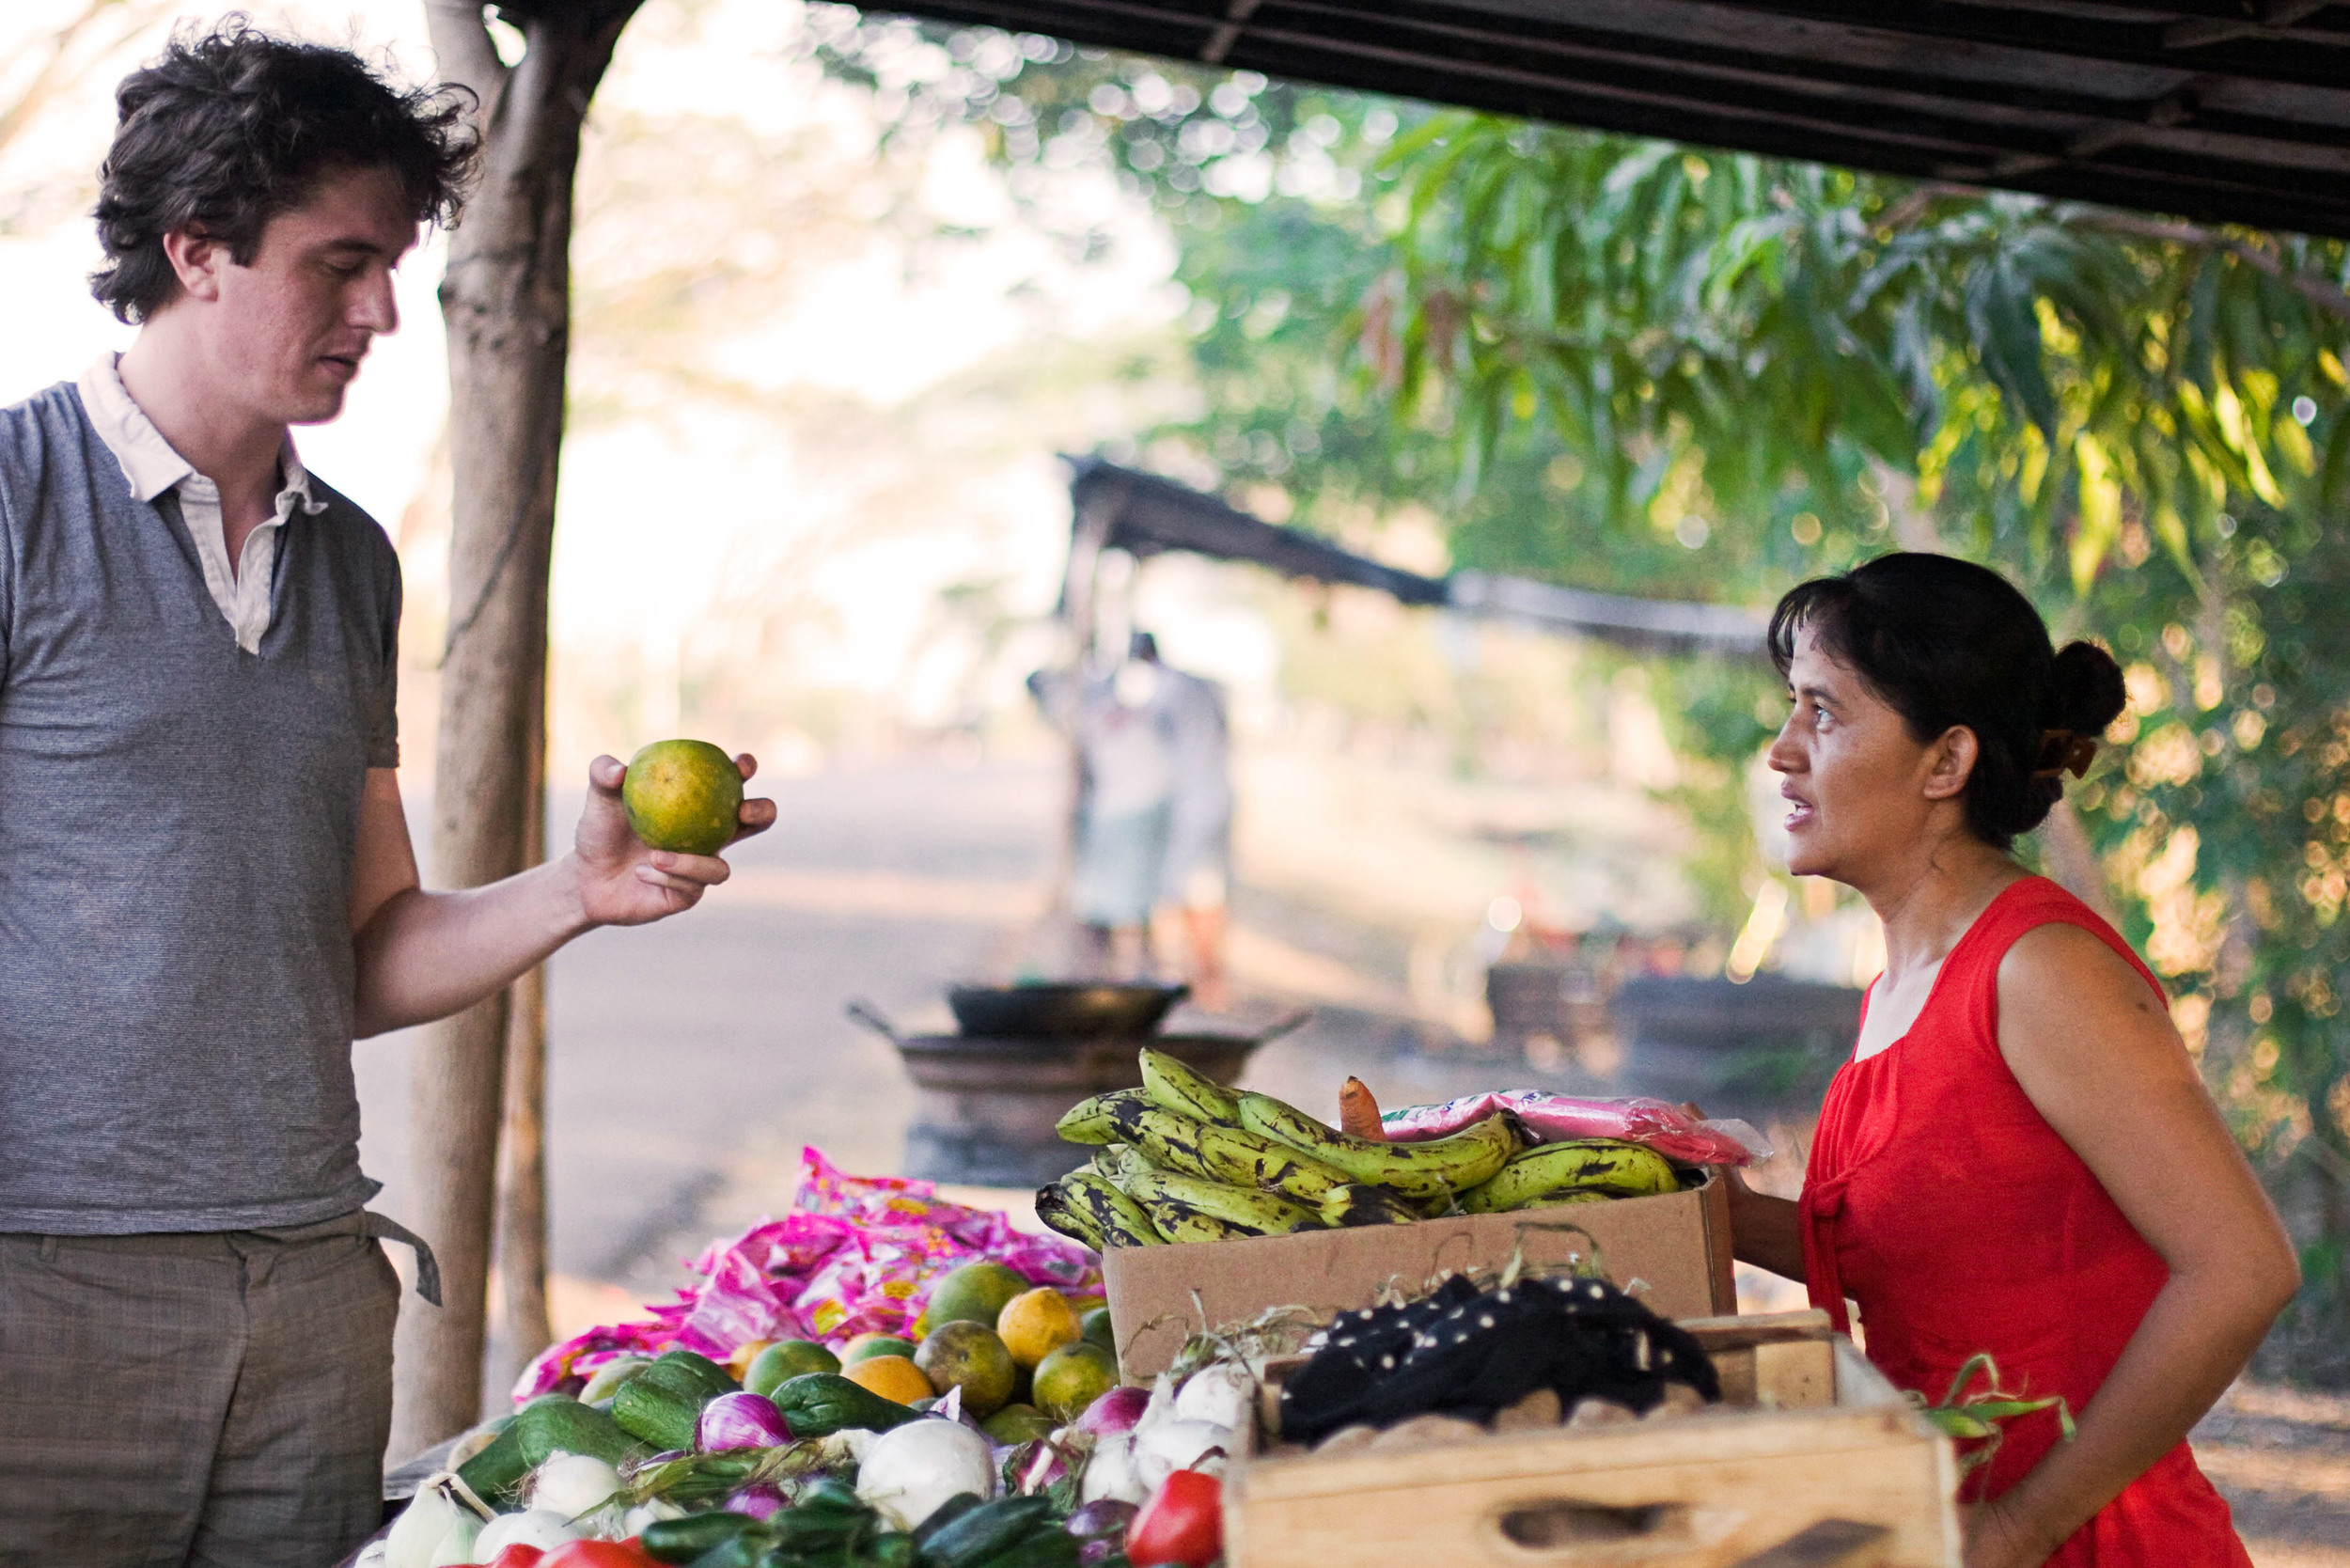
column 1679, row 1244
column 1809, row 1445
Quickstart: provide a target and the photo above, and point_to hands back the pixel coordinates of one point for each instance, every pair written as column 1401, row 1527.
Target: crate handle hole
column 1566, row 1522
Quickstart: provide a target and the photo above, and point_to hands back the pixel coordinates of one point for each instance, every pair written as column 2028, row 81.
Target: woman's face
column 1860, row 791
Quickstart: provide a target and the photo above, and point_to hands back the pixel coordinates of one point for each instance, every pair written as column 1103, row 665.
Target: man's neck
column 163, row 370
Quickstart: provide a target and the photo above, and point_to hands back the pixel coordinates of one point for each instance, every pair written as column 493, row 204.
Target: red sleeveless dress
column 1939, row 1200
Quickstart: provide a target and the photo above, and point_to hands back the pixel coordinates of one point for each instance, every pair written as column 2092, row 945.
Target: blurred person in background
column 1156, row 816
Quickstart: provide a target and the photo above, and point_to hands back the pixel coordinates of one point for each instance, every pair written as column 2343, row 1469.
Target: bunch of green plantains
column 1186, row 1159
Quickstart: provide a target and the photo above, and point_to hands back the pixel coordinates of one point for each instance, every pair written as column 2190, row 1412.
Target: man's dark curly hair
column 234, row 126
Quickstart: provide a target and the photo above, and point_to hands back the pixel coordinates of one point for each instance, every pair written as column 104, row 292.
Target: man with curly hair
column 208, row 888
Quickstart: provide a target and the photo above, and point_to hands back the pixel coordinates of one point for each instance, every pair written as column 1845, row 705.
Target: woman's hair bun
column 2086, row 693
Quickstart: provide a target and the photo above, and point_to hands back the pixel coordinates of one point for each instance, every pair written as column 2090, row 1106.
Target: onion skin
column 740, row 1422
column 1102, row 1516
column 1115, row 1412
column 763, row 1501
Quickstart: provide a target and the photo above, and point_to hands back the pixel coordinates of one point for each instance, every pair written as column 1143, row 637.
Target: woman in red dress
column 2019, row 1157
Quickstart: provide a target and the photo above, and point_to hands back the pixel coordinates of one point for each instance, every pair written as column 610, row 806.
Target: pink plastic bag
column 1553, row 1118
column 860, row 1254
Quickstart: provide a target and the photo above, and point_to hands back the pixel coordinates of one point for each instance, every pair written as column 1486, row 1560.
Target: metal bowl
column 1084, row 1010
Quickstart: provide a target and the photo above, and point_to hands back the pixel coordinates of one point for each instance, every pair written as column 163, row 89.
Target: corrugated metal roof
column 2232, row 111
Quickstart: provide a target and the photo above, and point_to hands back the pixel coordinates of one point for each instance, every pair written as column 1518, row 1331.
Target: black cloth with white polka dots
column 1458, row 1352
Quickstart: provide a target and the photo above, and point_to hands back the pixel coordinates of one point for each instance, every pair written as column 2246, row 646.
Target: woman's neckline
column 1941, row 969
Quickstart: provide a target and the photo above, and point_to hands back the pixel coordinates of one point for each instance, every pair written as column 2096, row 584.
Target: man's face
column 290, row 329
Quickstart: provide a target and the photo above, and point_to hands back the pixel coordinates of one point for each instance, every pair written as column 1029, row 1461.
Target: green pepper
column 687, row 1539
column 946, row 1513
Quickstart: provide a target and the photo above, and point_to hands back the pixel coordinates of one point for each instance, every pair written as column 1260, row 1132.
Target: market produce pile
column 1186, row 1159
column 899, row 1390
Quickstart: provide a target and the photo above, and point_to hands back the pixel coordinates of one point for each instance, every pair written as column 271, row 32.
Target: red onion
column 1104, row 1516
column 740, row 1422
column 1114, row 1412
column 762, row 1501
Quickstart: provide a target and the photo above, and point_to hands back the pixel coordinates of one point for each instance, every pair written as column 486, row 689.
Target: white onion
column 1222, row 1395
column 542, row 1527
column 1110, row 1473
column 573, row 1484
column 913, row 1468
column 430, row 1514
column 635, row 1519
column 1172, row 1446
column 457, row 1547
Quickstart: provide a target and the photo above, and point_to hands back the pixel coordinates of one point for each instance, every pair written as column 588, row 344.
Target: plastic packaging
column 1554, row 1118
column 860, row 1254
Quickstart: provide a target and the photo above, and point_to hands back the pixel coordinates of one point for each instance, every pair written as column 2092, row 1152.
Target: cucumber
column 817, row 1405
column 545, row 1426
column 1050, row 1547
column 714, row 1378
column 946, row 1513
column 893, row 1550
column 981, row 1532
column 648, row 1407
column 683, row 1540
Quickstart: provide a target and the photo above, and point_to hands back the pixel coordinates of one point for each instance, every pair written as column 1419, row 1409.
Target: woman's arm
column 1763, row 1230
column 2094, row 1050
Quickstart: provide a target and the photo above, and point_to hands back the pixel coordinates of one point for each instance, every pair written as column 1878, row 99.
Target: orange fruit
column 893, row 1377
column 744, row 1354
column 863, row 1345
column 968, row 1356
column 1035, row 1323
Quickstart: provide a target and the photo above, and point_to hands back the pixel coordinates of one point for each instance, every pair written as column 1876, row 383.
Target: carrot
column 1359, row 1113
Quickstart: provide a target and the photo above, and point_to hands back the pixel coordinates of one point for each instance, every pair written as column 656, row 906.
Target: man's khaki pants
column 213, row 1399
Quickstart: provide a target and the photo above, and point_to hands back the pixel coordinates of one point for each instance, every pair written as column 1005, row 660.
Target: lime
column 864, row 1346
column 968, row 1356
column 684, row 796
column 1095, row 1329
column 976, row 1292
column 1072, row 1377
column 787, row 1358
column 1035, row 1323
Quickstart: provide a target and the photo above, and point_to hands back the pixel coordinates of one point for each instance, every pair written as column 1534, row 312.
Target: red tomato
column 1184, row 1524
column 517, row 1556
column 598, row 1554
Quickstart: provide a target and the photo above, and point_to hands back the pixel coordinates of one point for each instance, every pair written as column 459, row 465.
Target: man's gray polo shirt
column 177, row 821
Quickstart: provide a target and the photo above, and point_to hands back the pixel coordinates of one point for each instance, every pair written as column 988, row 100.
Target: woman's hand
column 624, row 882
column 1994, row 1539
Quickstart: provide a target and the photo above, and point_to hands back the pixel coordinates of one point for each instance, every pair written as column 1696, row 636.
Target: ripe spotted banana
column 1120, row 1220
column 1089, row 1121
column 1113, row 1161
column 1414, row 1170
column 1560, row 1172
column 1366, row 1204
column 1060, row 1212
column 1231, row 1155
column 1181, row 1222
column 1256, row 1213
column 1173, row 1085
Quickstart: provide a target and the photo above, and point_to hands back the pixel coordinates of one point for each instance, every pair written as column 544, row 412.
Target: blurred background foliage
column 1642, row 367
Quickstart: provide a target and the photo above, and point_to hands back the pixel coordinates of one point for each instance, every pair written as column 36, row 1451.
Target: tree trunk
column 506, row 302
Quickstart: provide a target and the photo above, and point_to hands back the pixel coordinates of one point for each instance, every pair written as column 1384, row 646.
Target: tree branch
column 2319, row 291
column 468, row 58
column 54, row 75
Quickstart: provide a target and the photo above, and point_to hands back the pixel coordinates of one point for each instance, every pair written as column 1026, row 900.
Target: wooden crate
column 1813, row 1440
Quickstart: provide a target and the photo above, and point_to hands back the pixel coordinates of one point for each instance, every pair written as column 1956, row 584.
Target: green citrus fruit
column 787, row 1358
column 1095, row 1328
column 968, row 1356
column 1020, row 1423
column 866, row 1345
column 684, row 796
column 1072, row 1377
column 976, row 1293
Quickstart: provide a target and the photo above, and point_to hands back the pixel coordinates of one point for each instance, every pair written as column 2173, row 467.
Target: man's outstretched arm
column 423, row 955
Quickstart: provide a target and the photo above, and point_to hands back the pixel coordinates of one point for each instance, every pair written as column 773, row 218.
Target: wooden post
column 507, row 301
